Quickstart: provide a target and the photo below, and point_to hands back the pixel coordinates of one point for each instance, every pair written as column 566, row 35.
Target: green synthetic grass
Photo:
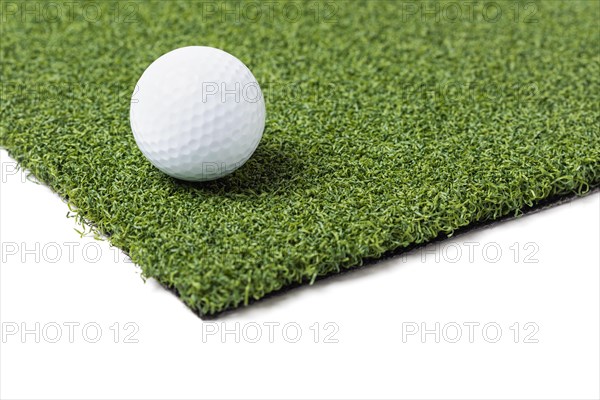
column 386, row 127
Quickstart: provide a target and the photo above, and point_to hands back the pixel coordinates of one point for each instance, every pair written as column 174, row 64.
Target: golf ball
column 197, row 113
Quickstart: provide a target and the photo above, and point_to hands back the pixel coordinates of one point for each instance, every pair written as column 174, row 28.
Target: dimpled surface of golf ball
column 197, row 113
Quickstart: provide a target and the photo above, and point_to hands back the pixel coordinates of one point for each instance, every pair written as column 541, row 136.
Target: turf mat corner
column 386, row 128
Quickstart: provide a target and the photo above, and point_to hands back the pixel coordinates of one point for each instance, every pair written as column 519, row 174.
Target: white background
column 372, row 310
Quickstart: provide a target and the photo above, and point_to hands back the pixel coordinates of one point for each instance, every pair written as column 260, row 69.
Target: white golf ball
column 197, row 113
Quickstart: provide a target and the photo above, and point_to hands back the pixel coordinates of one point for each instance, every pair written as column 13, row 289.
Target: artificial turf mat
column 386, row 128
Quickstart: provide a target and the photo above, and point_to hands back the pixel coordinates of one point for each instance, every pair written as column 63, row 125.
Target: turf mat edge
column 372, row 262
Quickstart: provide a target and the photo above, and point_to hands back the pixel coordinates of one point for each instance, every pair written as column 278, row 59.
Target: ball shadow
column 269, row 170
